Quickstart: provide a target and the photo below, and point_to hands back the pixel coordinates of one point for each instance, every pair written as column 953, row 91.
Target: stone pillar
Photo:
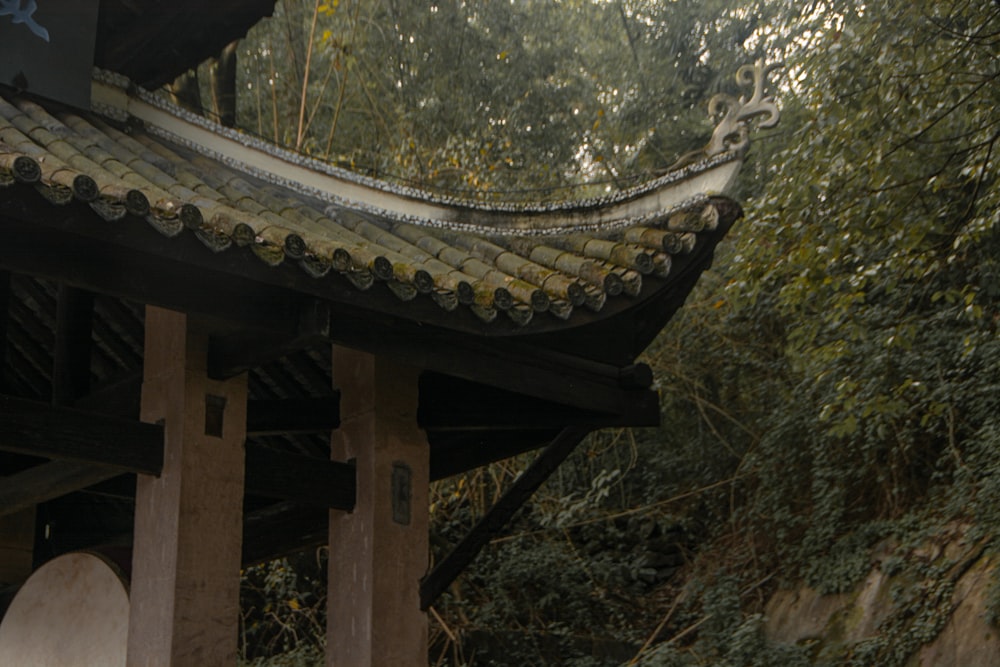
column 378, row 552
column 188, row 522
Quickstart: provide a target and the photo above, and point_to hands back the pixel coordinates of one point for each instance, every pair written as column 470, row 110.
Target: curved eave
column 645, row 204
column 271, row 217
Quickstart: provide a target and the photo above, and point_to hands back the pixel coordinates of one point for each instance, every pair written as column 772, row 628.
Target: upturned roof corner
column 733, row 131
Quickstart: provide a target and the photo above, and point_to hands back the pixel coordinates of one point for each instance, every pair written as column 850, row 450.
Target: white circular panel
column 71, row 612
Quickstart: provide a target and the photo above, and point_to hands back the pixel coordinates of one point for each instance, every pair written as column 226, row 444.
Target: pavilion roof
column 508, row 268
column 525, row 318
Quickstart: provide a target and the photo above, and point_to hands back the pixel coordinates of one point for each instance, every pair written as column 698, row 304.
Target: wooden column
column 17, row 540
column 188, row 521
column 378, row 552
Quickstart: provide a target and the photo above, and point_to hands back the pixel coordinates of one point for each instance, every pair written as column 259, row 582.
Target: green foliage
column 304, row 655
column 832, row 381
column 480, row 98
column 743, row 644
column 881, row 232
column 283, row 612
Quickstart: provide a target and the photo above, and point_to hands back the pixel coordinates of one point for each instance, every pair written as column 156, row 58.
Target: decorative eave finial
column 732, row 132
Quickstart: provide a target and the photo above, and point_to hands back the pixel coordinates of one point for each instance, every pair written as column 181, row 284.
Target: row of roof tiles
column 123, row 172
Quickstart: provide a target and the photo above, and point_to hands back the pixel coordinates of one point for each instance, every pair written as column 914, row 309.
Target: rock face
column 931, row 612
column 968, row 640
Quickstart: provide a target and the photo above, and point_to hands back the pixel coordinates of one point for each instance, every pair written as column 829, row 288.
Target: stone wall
column 930, row 609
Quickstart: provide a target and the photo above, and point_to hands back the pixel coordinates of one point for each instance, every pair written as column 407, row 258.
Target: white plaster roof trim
column 410, row 192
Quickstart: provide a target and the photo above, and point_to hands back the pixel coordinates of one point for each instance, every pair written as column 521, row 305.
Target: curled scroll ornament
column 732, row 132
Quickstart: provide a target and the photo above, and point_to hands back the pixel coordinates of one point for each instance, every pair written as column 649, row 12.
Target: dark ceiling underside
column 293, row 406
column 152, row 42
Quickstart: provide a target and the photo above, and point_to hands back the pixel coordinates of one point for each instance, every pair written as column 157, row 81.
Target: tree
column 534, row 99
column 834, row 374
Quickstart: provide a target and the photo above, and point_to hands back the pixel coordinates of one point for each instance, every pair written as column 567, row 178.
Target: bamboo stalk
column 300, row 132
column 342, row 88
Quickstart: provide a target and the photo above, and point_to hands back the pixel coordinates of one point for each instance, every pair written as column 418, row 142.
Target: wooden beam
column 47, row 481
column 229, row 356
column 264, row 417
column 508, row 364
column 303, row 479
column 281, row 529
column 29, row 427
column 71, row 356
column 497, row 517
column 295, row 415
column 450, row 408
column 120, row 397
column 454, row 452
column 454, row 404
column 145, row 272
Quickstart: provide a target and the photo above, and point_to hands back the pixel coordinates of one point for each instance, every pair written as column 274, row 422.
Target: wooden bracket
column 445, row 572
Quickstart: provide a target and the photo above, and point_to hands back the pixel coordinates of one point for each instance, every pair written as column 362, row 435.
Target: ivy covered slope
column 831, row 389
column 874, row 256
column 849, row 374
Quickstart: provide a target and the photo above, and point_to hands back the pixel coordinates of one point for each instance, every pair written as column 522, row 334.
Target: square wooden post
column 188, row 522
column 379, row 552
column 17, row 540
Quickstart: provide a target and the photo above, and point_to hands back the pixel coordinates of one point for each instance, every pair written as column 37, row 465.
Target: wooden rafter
column 304, row 415
column 234, row 354
column 71, row 362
